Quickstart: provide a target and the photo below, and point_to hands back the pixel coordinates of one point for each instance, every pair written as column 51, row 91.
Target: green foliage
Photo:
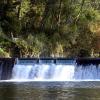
column 31, row 46
column 49, row 27
column 3, row 53
column 24, row 8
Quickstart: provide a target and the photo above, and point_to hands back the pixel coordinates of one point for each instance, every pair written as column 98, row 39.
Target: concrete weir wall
column 79, row 61
column 6, row 65
column 87, row 61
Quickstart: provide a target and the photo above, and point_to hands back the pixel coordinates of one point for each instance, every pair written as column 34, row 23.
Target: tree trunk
column 59, row 15
column 19, row 9
column 81, row 8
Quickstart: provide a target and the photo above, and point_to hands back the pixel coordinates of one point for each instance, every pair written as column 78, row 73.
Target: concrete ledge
column 88, row 61
column 79, row 61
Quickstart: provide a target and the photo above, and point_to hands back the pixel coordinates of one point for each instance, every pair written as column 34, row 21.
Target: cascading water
column 65, row 70
column 1, row 69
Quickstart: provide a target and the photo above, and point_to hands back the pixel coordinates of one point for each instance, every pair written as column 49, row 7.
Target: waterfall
column 62, row 70
column 1, row 66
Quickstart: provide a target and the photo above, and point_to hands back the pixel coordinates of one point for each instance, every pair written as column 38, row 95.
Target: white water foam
column 55, row 72
column 23, row 80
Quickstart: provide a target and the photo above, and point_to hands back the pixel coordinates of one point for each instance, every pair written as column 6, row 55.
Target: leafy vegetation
column 45, row 28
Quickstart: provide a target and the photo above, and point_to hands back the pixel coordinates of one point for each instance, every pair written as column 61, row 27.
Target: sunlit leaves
column 24, row 8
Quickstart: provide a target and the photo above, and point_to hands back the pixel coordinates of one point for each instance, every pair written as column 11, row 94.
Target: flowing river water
column 85, row 90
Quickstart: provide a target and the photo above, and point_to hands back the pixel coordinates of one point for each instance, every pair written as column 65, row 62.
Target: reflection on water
column 6, row 91
column 49, row 91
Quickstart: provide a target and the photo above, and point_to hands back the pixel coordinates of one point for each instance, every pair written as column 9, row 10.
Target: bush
column 3, row 53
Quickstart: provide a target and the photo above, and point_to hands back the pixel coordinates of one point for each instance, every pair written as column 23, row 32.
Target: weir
column 57, row 69
column 50, row 69
column 6, row 66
